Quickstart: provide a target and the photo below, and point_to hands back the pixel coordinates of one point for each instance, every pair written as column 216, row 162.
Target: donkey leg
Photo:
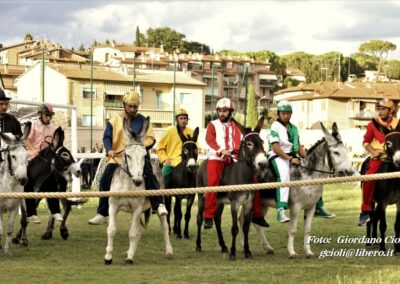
column 200, row 210
column 234, row 231
column 294, row 216
column 397, row 230
column 246, row 228
column 63, row 226
column 168, row 202
column 21, row 238
column 169, row 253
column 111, row 231
column 217, row 220
column 10, row 228
column 48, row 234
column 382, row 228
column 135, row 232
column 189, row 203
column 178, row 217
column 307, row 231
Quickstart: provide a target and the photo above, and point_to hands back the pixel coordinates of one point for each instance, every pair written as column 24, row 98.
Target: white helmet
column 284, row 106
column 225, row 103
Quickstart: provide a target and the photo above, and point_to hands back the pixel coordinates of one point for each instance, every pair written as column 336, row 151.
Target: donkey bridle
column 9, row 149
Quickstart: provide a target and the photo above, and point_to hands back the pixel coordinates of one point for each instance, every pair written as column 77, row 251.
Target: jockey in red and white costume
column 223, row 140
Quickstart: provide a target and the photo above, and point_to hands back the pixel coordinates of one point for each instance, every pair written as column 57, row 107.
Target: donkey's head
column 189, row 151
column 252, row 146
column 15, row 155
column 64, row 162
column 392, row 146
column 337, row 153
column 135, row 152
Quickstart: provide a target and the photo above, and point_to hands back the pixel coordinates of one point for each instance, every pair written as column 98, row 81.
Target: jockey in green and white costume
column 286, row 135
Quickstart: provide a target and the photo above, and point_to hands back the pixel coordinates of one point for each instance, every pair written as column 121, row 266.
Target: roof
column 355, row 90
column 16, row 45
column 102, row 73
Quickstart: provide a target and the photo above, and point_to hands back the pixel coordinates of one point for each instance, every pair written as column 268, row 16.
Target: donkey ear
column 27, row 130
column 195, row 134
column 6, row 139
column 58, row 140
column 260, row 124
column 327, row 135
column 181, row 135
column 129, row 134
column 240, row 126
column 145, row 127
column 335, row 131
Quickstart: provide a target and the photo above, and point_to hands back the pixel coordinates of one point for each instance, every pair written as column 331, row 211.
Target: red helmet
column 225, row 103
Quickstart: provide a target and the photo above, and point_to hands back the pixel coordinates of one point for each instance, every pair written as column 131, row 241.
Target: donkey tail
column 147, row 214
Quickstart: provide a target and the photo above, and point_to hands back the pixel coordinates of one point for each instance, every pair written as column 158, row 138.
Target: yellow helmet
column 181, row 111
column 131, row 97
column 387, row 103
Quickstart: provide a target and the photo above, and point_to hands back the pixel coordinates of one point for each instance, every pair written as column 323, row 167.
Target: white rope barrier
column 198, row 190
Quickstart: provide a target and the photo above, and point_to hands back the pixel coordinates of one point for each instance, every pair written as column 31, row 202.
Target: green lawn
column 80, row 258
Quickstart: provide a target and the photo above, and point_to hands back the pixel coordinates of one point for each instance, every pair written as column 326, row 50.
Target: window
column 86, row 120
column 86, row 93
column 158, row 99
column 185, row 99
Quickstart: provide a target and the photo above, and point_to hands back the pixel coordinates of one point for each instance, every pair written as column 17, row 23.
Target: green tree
column 251, row 109
column 95, row 43
column 82, row 47
column 195, row 47
column 28, row 37
column 167, row 37
column 362, row 62
column 107, row 42
column 379, row 50
column 140, row 39
column 392, row 69
column 290, row 82
column 1, row 45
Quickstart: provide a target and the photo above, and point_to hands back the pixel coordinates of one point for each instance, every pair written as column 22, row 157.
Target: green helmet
column 284, row 106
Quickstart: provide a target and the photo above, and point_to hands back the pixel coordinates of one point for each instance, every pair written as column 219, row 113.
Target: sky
column 280, row 26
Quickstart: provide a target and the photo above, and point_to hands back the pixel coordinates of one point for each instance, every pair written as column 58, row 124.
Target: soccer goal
column 64, row 116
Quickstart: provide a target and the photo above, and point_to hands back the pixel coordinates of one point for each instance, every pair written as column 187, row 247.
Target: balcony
column 267, row 83
column 362, row 114
column 156, row 116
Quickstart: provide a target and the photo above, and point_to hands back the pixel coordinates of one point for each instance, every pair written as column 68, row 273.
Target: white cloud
column 280, row 26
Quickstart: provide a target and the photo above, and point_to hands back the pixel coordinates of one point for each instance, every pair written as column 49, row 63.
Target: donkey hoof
column 47, row 236
column 107, row 261
column 23, row 242
column 224, row 250
column 232, row 257
column 129, row 261
column 178, row 237
column 292, row 255
column 187, row 237
column 248, row 255
column 198, row 249
column 169, row 256
column 269, row 252
column 309, row 255
column 15, row 241
column 64, row 233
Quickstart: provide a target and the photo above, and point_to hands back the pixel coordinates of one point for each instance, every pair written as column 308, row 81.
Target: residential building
column 350, row 105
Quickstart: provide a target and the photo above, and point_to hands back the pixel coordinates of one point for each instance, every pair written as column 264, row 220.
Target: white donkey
column 129, row 177
column 13, row 176
column 329, row 156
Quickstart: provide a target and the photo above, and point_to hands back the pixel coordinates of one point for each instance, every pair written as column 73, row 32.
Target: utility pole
column 339, row 70
column 245, row 77
column 212, row 92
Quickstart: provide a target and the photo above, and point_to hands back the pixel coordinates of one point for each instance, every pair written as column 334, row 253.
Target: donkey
column 129, row 177
column 252, row 159
column 387, row 192
column 13, row 176
column 53, row 168
column 183, row 176
column 327, row 157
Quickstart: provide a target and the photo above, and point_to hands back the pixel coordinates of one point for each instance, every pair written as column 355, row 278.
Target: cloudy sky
column 280, row 26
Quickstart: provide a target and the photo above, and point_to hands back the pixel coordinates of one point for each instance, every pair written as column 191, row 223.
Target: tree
column 107, row 42
column 166, row 37
column 251, row 109
column 290, row 82
column 28, row 37
column 95, row 43
column 195, row 47
column 140, row 39
column 81, row 47
column 379, row 50
column 1, row 45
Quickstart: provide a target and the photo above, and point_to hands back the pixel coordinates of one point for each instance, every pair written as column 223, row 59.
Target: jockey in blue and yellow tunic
column 114, row 143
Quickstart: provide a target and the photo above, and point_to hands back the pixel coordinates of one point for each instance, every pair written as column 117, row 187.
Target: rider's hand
column 111, row 153
column 226, row 153
column 376, row 155
column 295, row 161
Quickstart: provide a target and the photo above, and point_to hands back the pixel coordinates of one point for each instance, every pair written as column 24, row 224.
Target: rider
column 170, row 146
column 8, row 123
column 374, row 140
column 223, row 139
column 284, row 151
column 42, row 131
column 114, row 142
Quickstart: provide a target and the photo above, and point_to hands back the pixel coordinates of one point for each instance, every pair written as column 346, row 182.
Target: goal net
column 64, row 116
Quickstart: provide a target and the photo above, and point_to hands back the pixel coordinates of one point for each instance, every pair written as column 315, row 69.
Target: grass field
column 80, row 258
